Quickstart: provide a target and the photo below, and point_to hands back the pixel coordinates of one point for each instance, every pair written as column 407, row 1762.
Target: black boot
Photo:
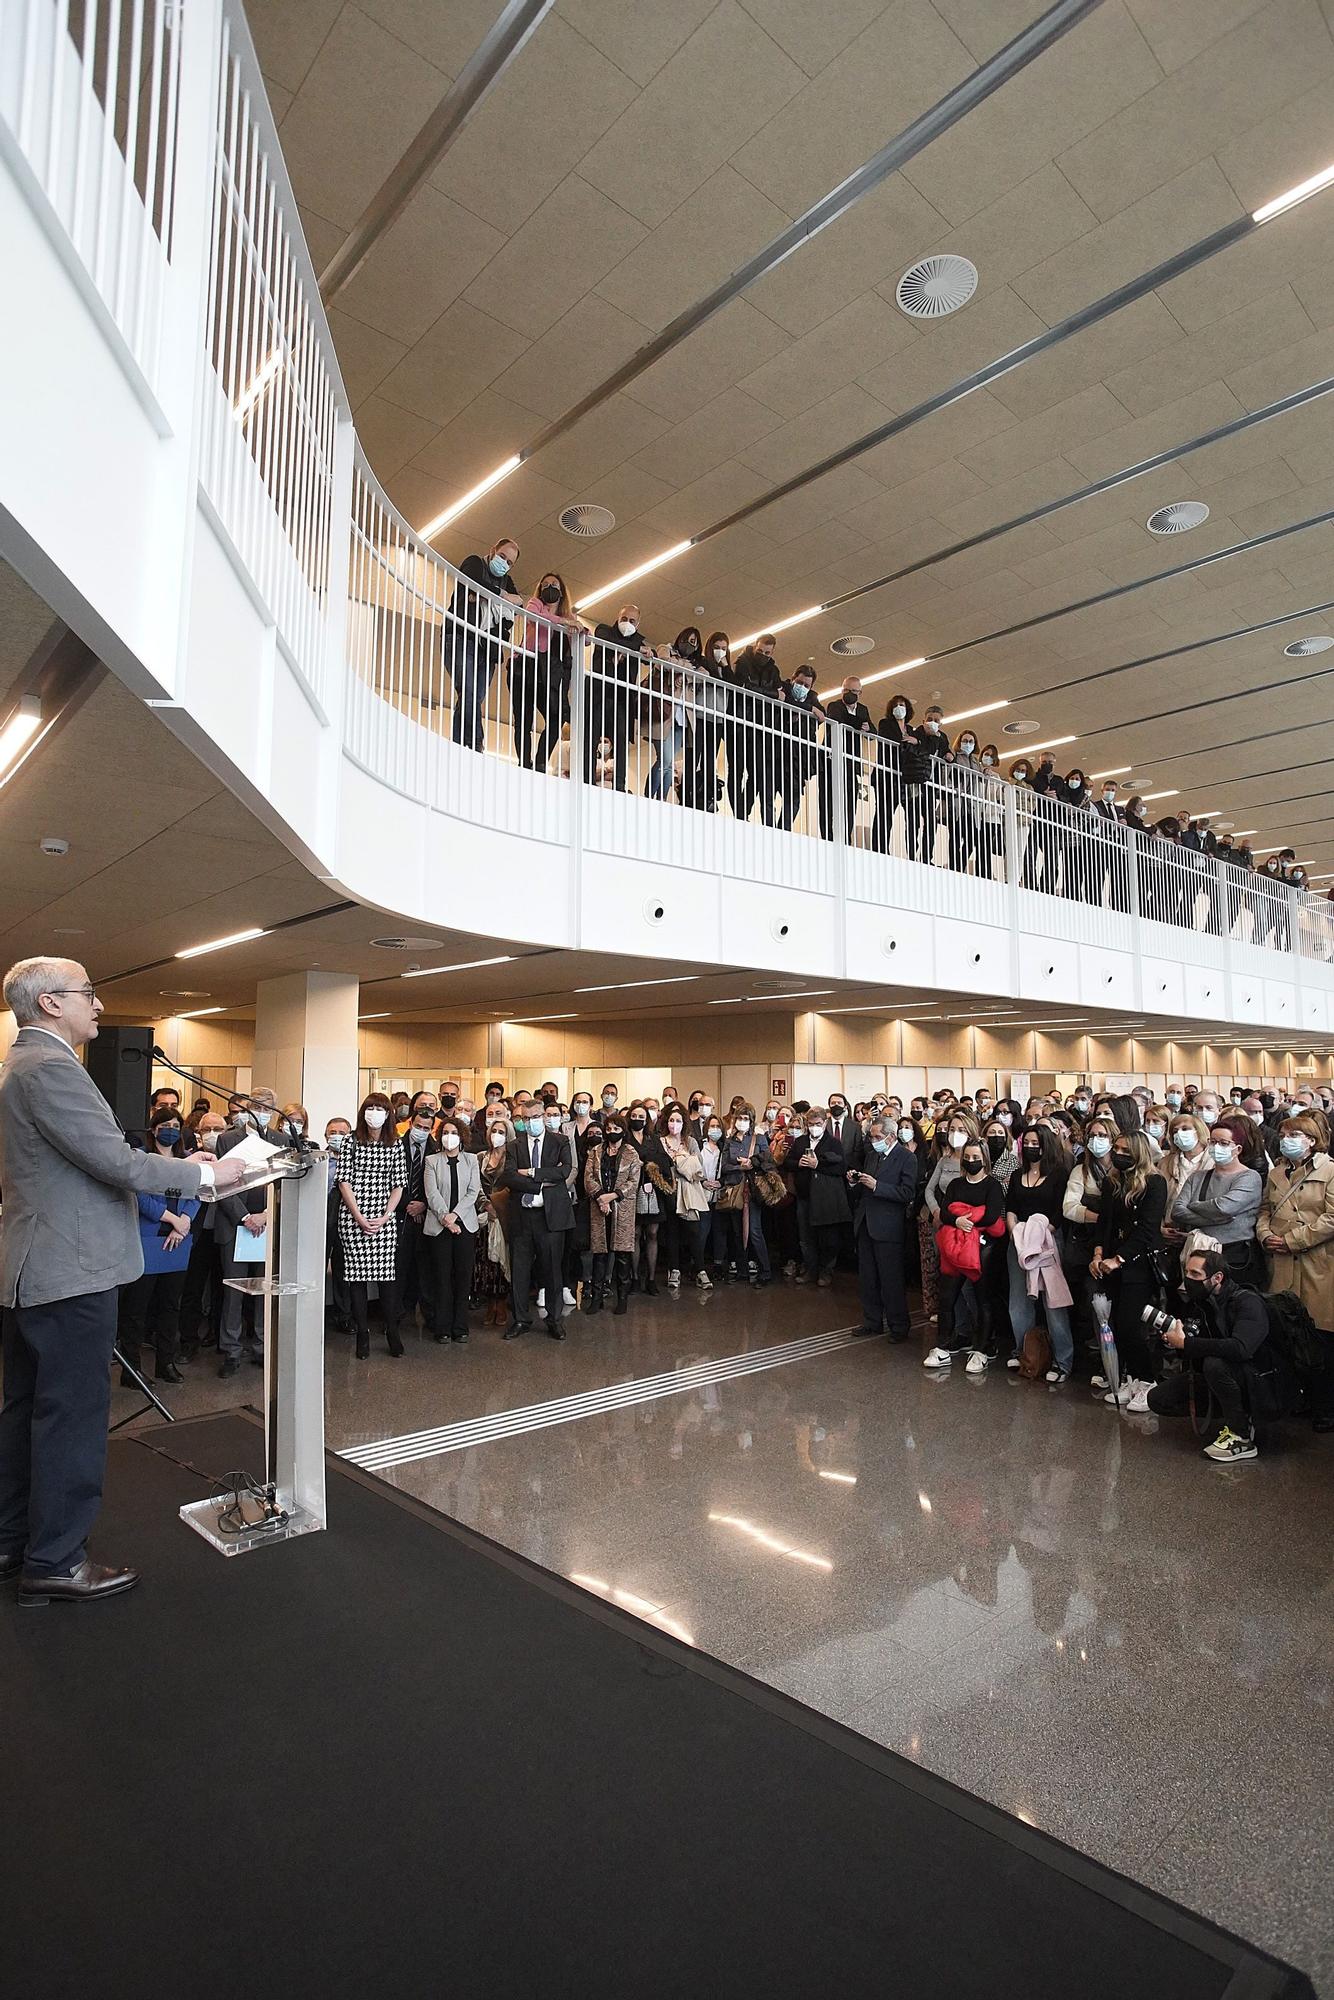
column 594, row 1298
column 622, row 1296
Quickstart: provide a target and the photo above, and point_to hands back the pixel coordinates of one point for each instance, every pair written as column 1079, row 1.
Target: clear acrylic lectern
column 288, row 1289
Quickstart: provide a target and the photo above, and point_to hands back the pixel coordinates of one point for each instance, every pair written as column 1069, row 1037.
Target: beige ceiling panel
column 876, row 241
column 391, row 437
column 701, row 243
column 552, row 103
column 838, row 420
column 897, row 506
column 1027, row 225
column 1310, row 451
column 1131, row 504
column 628, row 492
column 1267, row 60
column 865, row 333
column 1264, row 157
column 447, row 36
column 1070, row 90
column 1263, row 515
column 603, row 439
column 728, row 81
column 1286, row 251
column 490, row 429
column 25, row 620
column 947, row 350
column 421, row 265
column 279, row 99
column 288, row 38
column 365, row 355
column 803, row 556
column 709, row 498
column 1008, row 551
column 833, row 493
column 918, row 539
column 1057, row 431
column 1097, row 458
column 571, row 358
column 1169, row 219
column 724, row 350
column 731, row 424
column 1283, row 372
column 566, row 245
column 1033, row 488
column 524, row 499
column 1092, row 356
column 461, row 354
column 361, row 103
column 814, row 37
column 1247, row 489
column 986, row 25
column 1215, row 352
column 639, row 40
column 1276, row 439
column 896, row 69
column 1314, row 286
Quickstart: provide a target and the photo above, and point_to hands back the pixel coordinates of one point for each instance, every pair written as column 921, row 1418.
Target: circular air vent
column 587, row 520
column 1020, row 728
column 851, row 644
column 184, row 993
column 936, row 286
column 1302, row 649
column 406, row 943
column 1176, row 518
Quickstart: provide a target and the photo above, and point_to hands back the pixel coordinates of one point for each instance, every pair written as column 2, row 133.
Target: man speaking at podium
column 69, row 1238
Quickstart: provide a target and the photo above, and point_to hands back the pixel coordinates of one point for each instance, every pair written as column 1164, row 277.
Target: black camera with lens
column 1156, row 1321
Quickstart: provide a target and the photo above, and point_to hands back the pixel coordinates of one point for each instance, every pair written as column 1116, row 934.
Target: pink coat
column 1040, row 1260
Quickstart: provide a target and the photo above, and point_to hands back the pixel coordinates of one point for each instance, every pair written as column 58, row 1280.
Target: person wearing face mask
column 1295, row 1226
column 1124, row 1264
column 1075, row 836
column 851, row 739
column 416, row 1259
column 1034, row 1203
column 800, row 745
column 615, row 669
column 581, row 1129
column 672, row 1163
column 537, row 1174
column 201, row 1298
column 713, row 1228
column 699, row 1115
column 963, row 800
column 1233, row 1328
column 751, row 760
column 491, row 1262
column 1081, row 1209
column 611, row 1181
column 1002, row 1159
column 236, row 1213
column 1157, row 1118
column 1111, row 861
column 971, row 1224
column 1186, row 1151
column 540, row 669
column 338, row 1314
column 745, row 1153
column 1043, row 853
column 477, row 628
column 887, row 1182
column 707, row 723
column 492, row 1106
column 1223, row 1199
column 452, row 1183
column 953, row 1129
column 150, row 1307
column 372, row 1173
column 820, row 1172
column 670, row 702
column 901, row 772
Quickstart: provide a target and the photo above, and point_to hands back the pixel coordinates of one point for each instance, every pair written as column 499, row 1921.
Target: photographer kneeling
column 1234, row 1327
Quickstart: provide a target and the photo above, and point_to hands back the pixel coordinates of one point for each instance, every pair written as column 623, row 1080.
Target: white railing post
column 1012, row 863
column 1131, row 839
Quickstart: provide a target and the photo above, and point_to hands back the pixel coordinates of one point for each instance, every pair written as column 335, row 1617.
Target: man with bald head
column 68, row 1240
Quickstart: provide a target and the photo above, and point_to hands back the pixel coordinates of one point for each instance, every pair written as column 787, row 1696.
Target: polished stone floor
column 1063, row 1609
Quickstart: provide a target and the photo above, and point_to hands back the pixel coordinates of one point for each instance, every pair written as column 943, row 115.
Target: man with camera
column 1226, row 1333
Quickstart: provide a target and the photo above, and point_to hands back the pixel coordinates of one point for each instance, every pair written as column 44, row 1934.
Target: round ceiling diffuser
column 1177, row 517
column 1020, row 728
column 1302, row 649
column 397, row 942
column 853, row 643
column 587, row 520
column 935, row 286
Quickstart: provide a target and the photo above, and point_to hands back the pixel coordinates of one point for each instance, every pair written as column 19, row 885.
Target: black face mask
column 1197, row 1290
column 614, row 1139
column 995, row 1146
column 1032, row 1154
column 448, row 1101
column 972, row 1164
column 1123, row 1162
column 549, row 593
column 638, row 1124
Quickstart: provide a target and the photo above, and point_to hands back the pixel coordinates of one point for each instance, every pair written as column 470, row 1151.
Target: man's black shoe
column 89, row 1581
column 231, row 1366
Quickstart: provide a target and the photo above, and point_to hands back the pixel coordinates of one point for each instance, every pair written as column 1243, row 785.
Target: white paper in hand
column 253, row 1151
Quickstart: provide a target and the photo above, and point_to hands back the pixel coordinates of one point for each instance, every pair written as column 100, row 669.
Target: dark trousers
column 1130, row 1290
column 340, row 1297
column 534, row 1244
column 556, row 714
column 203, row 1278
column 960, row 1297
column 756, row 1247
column 150, row 1309
column 53, row 1428
column 680, row 1233
column 1220, row 1389
column 452, row 1258
column 607, row 716
column 880, row 1280
column 851, row 778
column 700, row 768
column 237, row 1321
column 414, row 1272
column 818, row 1240
column 359, row 1299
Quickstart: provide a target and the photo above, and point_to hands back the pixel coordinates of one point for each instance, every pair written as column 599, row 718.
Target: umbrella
column 1111, row 1364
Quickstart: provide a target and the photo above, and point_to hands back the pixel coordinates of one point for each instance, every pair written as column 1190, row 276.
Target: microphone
column 300, row 1142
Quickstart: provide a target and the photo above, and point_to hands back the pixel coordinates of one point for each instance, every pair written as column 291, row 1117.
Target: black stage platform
column 394, row 1760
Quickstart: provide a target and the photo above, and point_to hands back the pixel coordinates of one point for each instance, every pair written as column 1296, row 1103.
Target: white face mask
column 209, row 1141
column 900, row 712
column 1185, row 1142
column 1005, row 1118
column 816, row 1131
column 450, row 1142
column 240, row 1119
column 1210, row 1117
column 375, row 1118
column 262, row 1119
column 956, row 1140
column 625, row 626
column 1154, row 1129
column 296, row 1127
column 906, row 1134
column 967, row 747
column 933, row 726
column 720, row 655
column 742, row 1125
column 498, row 1137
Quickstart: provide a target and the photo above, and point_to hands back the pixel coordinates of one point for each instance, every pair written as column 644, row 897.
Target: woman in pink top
column 539, row 671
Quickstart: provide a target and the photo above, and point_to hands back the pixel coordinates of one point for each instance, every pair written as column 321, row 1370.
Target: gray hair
column 887, row 1124
column 26, row 982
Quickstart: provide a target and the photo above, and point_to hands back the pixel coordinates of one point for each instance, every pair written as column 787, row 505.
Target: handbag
column 731, row 1198
column 1035, row 1355
column 769, row 1186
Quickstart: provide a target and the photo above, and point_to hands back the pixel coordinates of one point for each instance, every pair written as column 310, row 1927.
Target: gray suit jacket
column 71, row 1221
column 437, row 1191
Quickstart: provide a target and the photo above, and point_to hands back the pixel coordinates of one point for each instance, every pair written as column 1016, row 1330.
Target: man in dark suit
column 1114, row 857
column 855, row 716
column 537, row 1168
column 416, row 1278
column 69, row 1240
column 888, row 1181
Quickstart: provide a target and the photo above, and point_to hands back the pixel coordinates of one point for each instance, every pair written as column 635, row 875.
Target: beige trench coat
column 1298, row 1205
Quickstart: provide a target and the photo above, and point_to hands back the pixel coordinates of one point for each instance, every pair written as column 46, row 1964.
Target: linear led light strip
column 890, row 159
column 465, row 965
column 220, row 944
column 1076, row 322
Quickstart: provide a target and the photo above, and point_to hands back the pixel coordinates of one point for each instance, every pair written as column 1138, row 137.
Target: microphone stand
column 140, row 1382
column 300, row 1142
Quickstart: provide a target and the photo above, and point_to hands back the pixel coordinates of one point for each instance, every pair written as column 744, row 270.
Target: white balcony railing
column 454, row 691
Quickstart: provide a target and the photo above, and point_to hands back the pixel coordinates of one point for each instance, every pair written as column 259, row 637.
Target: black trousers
column 452, row 1259
column 880, row 1279
column 533, row 1245
column 53, row 1428
column 414, row 1273
column 359, row 1298
column 1220, row 1389
column 699, row 776
column 150, row 1309
column 203, row 1277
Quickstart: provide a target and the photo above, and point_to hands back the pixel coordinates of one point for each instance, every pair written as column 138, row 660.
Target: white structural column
column 306, row 1042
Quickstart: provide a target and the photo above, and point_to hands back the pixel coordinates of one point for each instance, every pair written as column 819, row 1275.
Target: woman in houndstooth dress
column 372, row 1173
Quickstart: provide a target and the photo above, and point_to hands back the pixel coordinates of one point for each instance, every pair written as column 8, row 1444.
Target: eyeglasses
column 88, row 992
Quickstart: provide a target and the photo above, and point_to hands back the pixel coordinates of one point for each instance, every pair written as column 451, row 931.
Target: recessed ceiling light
column 1051, row 743
column 586, row 519
column 935, row 286
column 197, row 1013
column 622, row 985
column 442, row 520
column 24, row 721
column 398, row 941
column 852, row 644
column 967, row 714
column 467, row 965
column 1177, row 518
column 1302, row 649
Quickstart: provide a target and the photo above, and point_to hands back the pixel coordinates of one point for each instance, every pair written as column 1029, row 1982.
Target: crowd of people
column 707, row 728
column 1037, row 1237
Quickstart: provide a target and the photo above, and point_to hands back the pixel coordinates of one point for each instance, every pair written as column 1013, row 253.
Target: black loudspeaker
column 120, row 1062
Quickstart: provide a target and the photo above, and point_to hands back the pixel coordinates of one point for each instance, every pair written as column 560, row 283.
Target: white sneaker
column 568, row 1296
column 1012, row 1361
column 939, row 1357
column 931, row 1318
column 1138, row 1406
column 977, row 1364
column 541, row 1301
column 1058, row 1375
column 704, row 1281
column 1098, row 1382
column 673, row 1277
